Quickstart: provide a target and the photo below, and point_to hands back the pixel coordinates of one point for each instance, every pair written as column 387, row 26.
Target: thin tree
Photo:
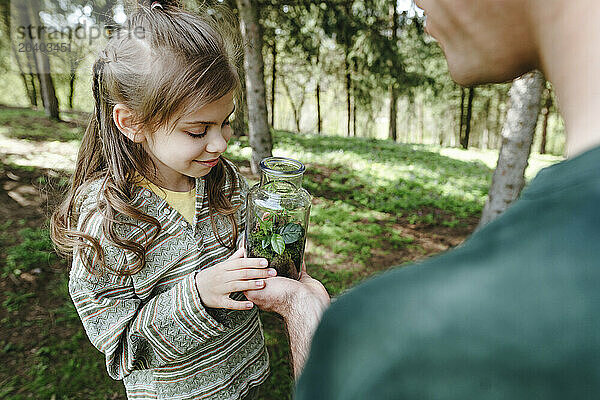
column 517, row 134
column 273, row 79
column 296, row 105
column 318, row 93
column 258, row 125
column 464, row 140
column 462, row 113
column 393, row 134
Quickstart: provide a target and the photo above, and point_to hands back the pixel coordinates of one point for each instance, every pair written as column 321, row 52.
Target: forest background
column 400, row 159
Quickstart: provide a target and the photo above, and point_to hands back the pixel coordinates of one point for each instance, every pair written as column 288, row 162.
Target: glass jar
column 277, row 211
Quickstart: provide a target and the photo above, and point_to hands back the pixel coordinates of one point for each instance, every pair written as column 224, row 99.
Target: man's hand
column 283, row 295
column 301, row 303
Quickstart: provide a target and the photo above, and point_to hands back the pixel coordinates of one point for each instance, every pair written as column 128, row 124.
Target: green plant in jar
column 278, row 209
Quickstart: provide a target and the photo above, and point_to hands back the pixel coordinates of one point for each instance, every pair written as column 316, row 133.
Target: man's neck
column 568, row 39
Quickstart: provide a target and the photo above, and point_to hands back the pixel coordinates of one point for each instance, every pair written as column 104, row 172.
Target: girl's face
column 193, row 147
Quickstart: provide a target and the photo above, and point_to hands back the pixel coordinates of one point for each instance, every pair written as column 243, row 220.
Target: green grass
column 33, row 125
column 34, row 252
column 62, row 364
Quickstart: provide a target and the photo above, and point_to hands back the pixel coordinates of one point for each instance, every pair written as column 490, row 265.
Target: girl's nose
column 216, row 143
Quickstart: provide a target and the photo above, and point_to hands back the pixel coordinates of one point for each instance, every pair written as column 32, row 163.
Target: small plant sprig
column 277, row 238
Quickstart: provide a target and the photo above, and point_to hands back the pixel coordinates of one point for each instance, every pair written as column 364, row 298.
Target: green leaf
column 277, row 243
column 291, row 232
column 265, row 242
column 266, row 226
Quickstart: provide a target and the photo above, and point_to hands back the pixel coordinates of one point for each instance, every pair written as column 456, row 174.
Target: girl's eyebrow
column 207, row 122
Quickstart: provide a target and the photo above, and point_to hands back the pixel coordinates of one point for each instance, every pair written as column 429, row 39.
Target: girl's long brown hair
column 163, row 62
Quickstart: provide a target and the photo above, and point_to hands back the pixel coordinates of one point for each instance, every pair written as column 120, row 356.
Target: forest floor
column 376, row 205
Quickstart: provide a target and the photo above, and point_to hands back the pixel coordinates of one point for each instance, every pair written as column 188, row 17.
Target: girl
column 154, row 213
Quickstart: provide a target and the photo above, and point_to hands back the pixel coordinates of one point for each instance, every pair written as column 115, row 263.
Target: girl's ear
column 124, row 120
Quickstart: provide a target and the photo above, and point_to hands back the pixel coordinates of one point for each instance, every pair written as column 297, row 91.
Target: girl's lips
column 209, row 163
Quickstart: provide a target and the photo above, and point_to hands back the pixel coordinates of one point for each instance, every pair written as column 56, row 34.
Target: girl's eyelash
column 203, row 133
column 198, row 135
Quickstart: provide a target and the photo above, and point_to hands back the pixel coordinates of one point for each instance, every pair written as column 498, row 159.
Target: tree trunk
column 259, row 134
column 318, row 94
column 421, row 122
column 348, row 88
column 462, row 112
column 546, row 114
column 485, row 141
column 273, row 77
column 319, row 121
column 31, row 95
column 30, row 14
column 23, row 17
column 518, row 131
column 464, row 141
column 239, row 124
column 393, row 133
column 296, row 107
column 409, row 113
column 499, row 121
column 353, row 116
column 72, row 78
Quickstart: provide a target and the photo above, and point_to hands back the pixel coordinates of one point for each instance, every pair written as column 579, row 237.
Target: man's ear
column 124, row 120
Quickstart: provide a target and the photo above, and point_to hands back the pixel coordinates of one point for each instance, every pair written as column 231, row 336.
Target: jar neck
column 281, row 174
column 272, row 182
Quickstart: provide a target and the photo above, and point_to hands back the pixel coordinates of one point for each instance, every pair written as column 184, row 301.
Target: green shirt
column 513, row 313
column 155, row 332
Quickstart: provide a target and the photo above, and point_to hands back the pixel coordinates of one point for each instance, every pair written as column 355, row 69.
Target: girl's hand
column 236, row 274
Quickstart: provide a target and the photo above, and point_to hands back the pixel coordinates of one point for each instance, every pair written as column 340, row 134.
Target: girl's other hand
column 236, row 274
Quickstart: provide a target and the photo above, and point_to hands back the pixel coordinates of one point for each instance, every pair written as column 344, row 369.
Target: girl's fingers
column 241, row 286
column 237, row 305
column 250, row 273
column 241, row 263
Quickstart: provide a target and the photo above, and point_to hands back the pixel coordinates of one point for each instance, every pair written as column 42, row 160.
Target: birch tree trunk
column 517, row 137
column 258, row 124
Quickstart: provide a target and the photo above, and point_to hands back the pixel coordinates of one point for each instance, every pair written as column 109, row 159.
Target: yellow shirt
column 183, row 202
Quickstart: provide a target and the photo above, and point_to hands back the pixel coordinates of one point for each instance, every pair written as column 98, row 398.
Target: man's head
column 484, row 40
